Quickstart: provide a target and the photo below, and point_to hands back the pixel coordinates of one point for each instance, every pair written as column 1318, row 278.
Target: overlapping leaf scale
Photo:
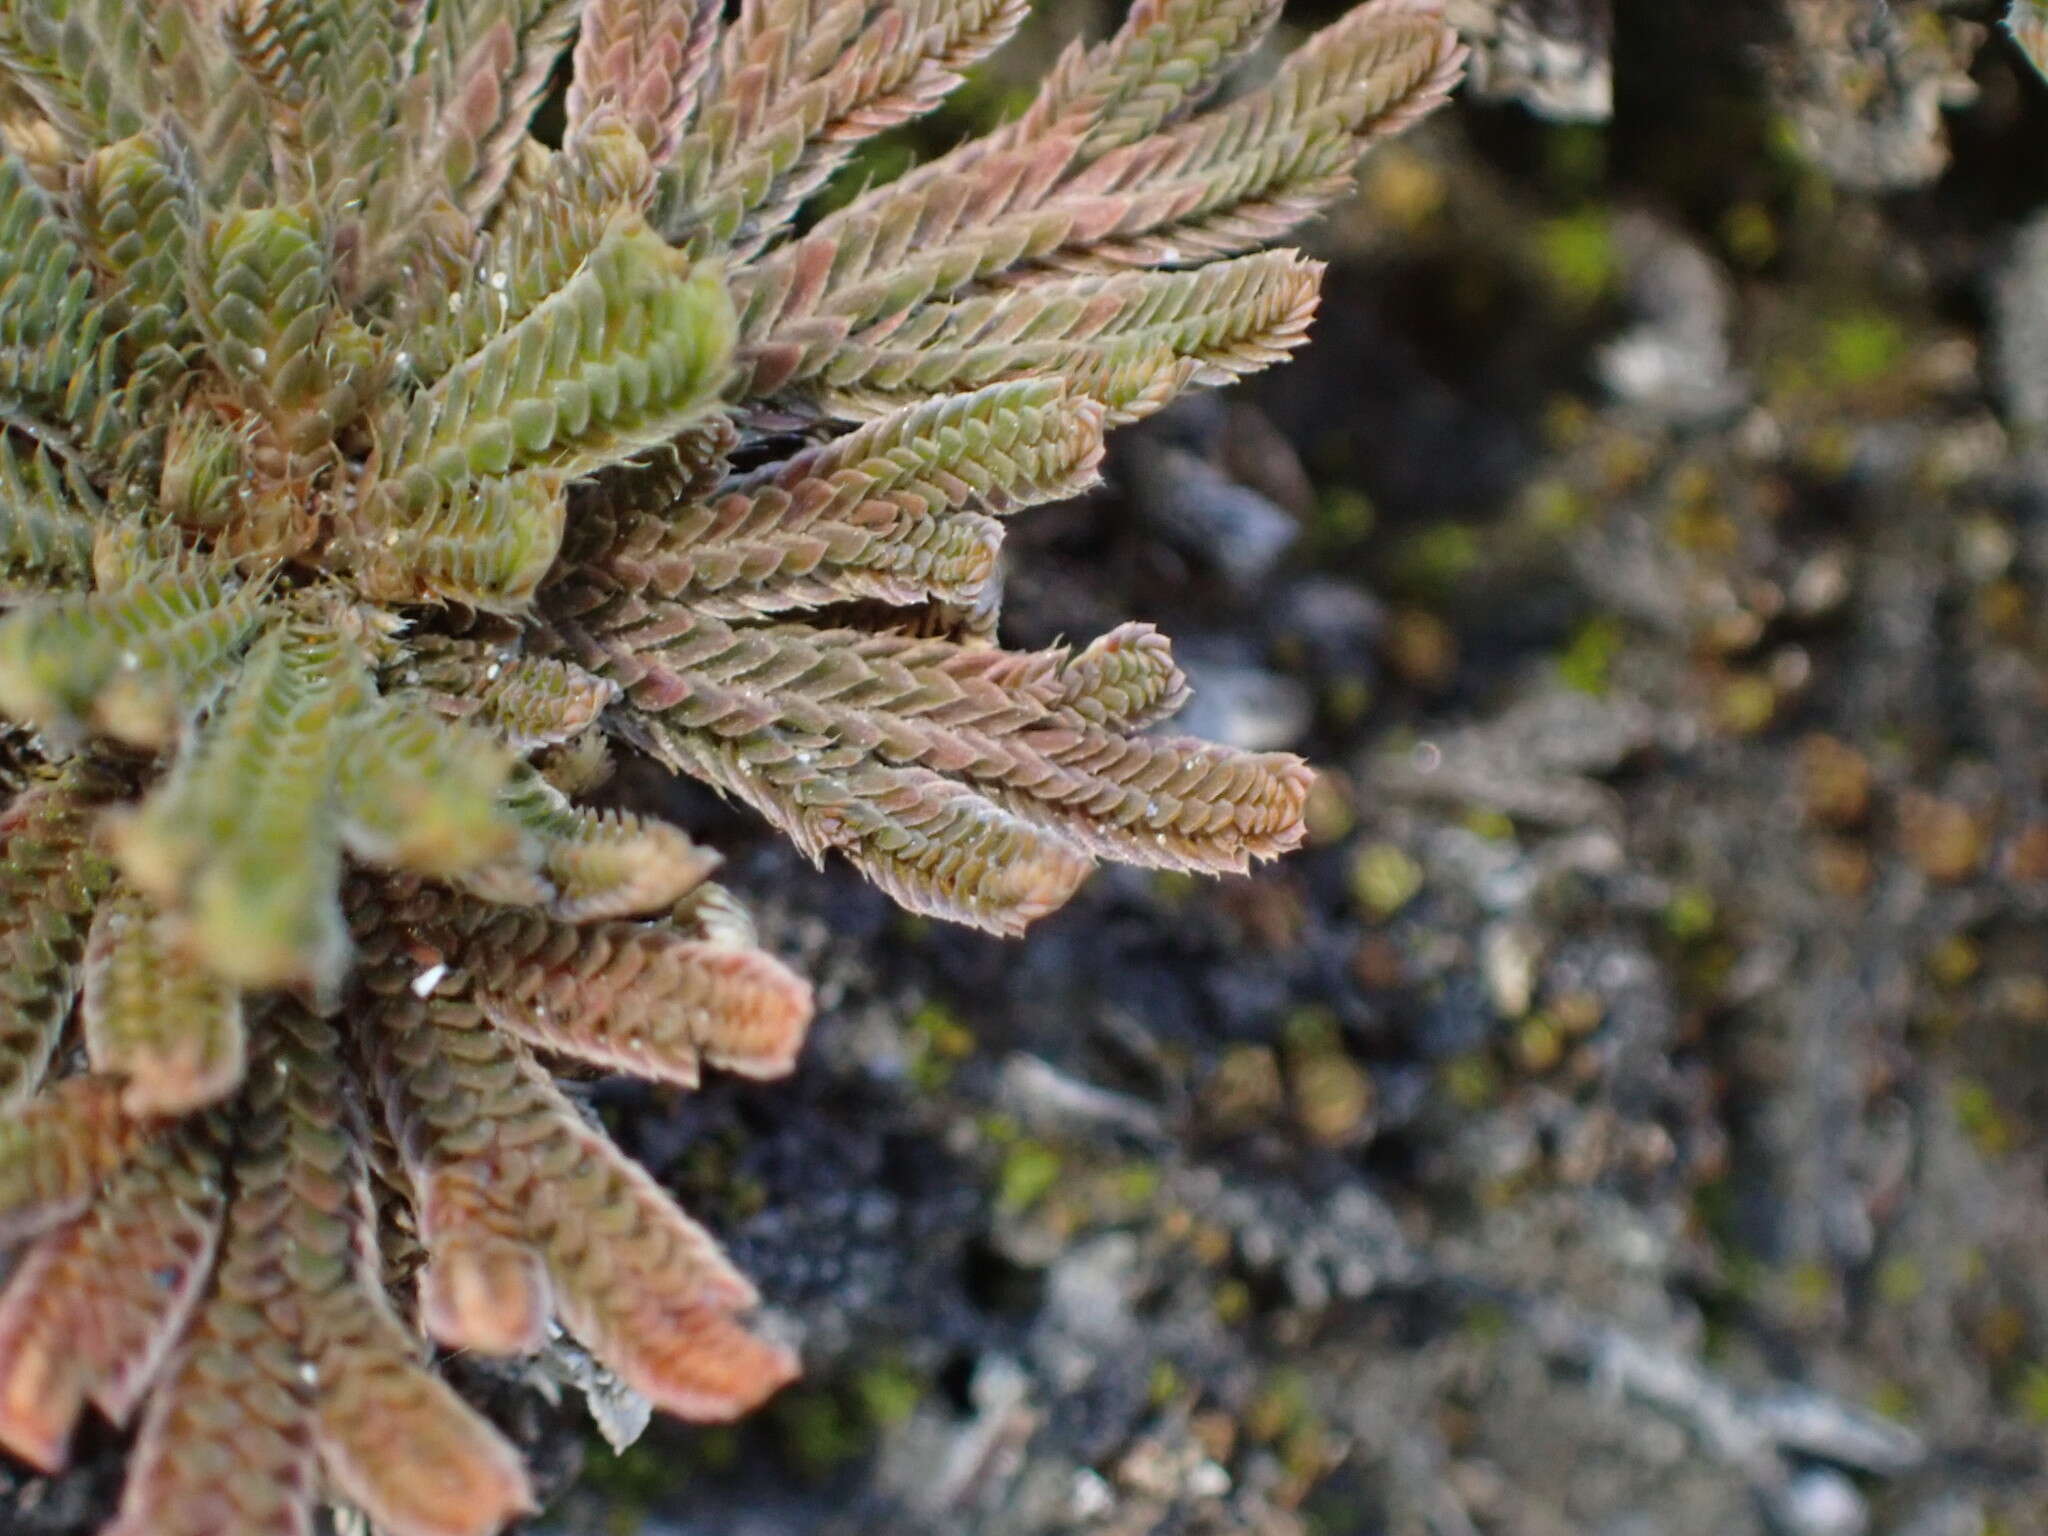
column 228, row 1445
column 1239, row 177
column 1161, row 63
column 552, row 217
column 265, row 297
column 394, row 1440
column 1105, row 335
column 329, row 73
column 89, row 65
column 91, row 1309
column 48, row 521
column 1223, row 182
column 134, row 209
column 958, row 777
column 581, row 865
column 422, row 793
column 811, row 84
column 525, row 702
column 132, row 661
column 476, row 74
column 50, row 877
column 241, row 842
column 894, row 511
column 58, row 359
column 620, row 359
column 640, row 61
column 649, row 999
column 487, row 542
column 166, row 1025
column 506, row 1168
column 57, row 1149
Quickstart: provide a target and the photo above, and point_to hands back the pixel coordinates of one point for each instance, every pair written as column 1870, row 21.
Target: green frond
column 1165, row 59
column 626, row 354
column 890, row 512
column 50, row 877
column 477, row 72
column 486, row 542
column 421, row 793
column 241, row 843
column 133, row 209
column 167, row 1026
column 131, row 662
column 47, row 524
column 267, row 303
column 1222, row 182
column 581, row 865
column 543, row 230
column 875, row 744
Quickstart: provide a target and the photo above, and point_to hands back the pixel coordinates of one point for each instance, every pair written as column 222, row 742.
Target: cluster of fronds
column 368, row 468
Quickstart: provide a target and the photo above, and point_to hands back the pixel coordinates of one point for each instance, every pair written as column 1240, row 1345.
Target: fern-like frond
column 638, row 998
column 580, row 865
column 651, row 1295
column 1220, row 183
column 639, row 62
column 812, row 82
column 130, row 662
column 898, row 511
column 525, row 702
column 92, row 1308
column 50, row 877
column 241, row 844
column 1227, row 319
column 168, row 1026
column 621, row 358
column 421, row 793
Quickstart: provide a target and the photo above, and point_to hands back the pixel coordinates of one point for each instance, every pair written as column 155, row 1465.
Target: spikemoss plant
column 370, row 473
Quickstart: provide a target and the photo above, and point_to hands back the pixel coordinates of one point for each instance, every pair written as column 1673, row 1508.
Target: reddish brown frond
column 92, row 1308
column 641, row 60
column 633, row 1278
column 56, row 1150
column 640, row 999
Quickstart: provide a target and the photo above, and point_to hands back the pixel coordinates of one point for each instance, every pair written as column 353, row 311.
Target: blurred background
column 1628, row 1115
